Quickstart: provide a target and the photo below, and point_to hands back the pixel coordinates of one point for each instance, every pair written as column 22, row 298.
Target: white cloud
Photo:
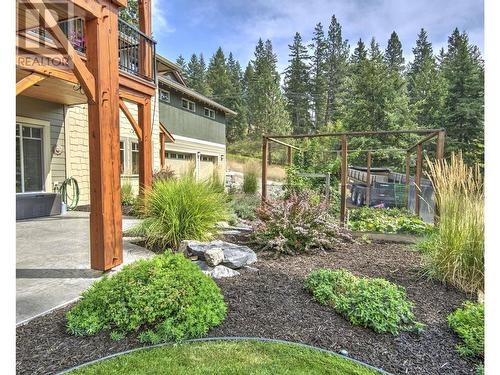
column 160, row 22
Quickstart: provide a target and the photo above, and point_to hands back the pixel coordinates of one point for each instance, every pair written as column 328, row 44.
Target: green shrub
column 179, row 209
column 244, row 206
column 468, row 323
column 250, row 181
column 456, row 253
column 298, row 224
column 387, row 220
column 127, row 194
column 168, row 295
column 374, row 303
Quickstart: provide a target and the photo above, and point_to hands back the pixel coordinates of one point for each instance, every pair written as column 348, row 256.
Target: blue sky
column 187, row 26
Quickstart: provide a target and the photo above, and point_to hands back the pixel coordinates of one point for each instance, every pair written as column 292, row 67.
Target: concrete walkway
column 53, row 261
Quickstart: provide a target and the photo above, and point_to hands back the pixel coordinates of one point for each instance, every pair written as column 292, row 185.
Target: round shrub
column 180, row 209
column 168, row 295
column 468, row 323
column 369, row 302
column 250, row 182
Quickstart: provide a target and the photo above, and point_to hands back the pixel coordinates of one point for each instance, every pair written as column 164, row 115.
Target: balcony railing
column 136, row 50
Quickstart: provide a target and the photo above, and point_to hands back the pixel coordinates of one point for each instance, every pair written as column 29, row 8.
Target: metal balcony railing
column 137, row 52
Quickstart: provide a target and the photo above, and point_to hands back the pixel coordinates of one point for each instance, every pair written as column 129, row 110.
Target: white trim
column 189, row 102
column 210, row 110
column 194, row 140
column 160, row 91
column 46, row 151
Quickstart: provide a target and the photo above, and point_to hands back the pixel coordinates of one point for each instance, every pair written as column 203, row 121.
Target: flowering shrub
column 298, row 224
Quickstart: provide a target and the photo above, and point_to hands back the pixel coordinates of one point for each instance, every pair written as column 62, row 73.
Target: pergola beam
column 283, row 143
column 340, row 134
column 423, row 140
column 130, row 118
column 28, row 81
column 85, row 77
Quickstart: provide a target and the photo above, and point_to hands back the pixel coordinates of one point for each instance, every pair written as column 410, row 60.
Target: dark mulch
column 272, row 303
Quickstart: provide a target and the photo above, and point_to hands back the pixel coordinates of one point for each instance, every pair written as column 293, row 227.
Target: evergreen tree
column 297, row 87
column 218, row 77
column 318, row 82
column 336, row 67
column 237, row 126
column 463, row 70
column 182, row 63
column 426, row 85
column 265, row 101
column 394, row 54
column 196, row 74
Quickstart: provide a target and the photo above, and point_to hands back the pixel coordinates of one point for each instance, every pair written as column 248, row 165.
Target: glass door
column 29, row 158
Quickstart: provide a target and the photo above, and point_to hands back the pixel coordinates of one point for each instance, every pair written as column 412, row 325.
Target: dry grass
column 236, row 163
column 456, row 252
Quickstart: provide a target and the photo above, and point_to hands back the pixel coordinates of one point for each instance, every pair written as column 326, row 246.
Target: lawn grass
column 227, row 357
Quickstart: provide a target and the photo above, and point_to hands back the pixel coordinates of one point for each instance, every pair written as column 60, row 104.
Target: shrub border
column 228, row 338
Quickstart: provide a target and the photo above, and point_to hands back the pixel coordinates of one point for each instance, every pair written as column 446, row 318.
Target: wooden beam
column 138, row 85
column 423, row 140
column 130, row 118
column 368, row 178
column 343, row 180
column 106, row 244
column 92, row 7
column 289, row 155
column 283, row 143
column 265, row 147
column 46, row 70
column 28, row 81
column 418, row 177
column 145, row 148
column 145, row 60
column 85, row 77
column 353, row 134
column 131, row 97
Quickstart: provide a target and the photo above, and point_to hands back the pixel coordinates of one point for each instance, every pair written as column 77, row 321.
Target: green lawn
column 227, row 357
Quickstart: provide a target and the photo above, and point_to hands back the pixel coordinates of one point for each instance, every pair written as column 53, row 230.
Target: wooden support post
column 343, row 180
column 440, row 145
column 145, row 147
column 106, row 246
column 407, row 179
column 265, row 146
column 163, row 139
column 144, row 8
column 289, row 156
column 418, row 176
column 368, row 178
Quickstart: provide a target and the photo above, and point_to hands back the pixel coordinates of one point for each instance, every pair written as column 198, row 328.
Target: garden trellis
column 427, row 135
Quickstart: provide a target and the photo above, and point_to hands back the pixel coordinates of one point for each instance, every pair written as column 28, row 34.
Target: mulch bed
column 272, row 303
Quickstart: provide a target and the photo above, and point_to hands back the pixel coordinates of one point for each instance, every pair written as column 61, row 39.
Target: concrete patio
column 53, row 261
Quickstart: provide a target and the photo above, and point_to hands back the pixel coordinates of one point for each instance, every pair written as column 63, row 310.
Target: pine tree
column 196, row 74
column 218, row 77
column 336, row 66
column 318, row 82
column 297, row 87
column 237, row 126
column 182, row 63
column 265, row 101
column 426, row 85
column 463, row 70
column 394, row 54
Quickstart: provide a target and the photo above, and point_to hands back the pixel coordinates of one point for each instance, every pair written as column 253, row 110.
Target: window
column 122, row 157
column 29, row 159
column 178, row 155
column 164, row 96
column 209, row 158
column 188, row 104
column 135, row 158
column 209, row 113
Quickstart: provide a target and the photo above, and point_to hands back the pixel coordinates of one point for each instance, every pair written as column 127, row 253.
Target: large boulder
column 235, row 256
column 214, row 256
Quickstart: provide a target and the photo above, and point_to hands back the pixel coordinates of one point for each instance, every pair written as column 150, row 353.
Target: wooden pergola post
column 418, row 176
column 440, row 145
column 289, row 155
column 144, row 10
column 145, row 146
column 265, row 146
column 368, row 178
column 343, row 180
column 106, row 247
column 407, row 179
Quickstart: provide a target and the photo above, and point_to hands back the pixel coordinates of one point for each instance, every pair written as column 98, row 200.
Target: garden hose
column 228, row 338
column 70, row 201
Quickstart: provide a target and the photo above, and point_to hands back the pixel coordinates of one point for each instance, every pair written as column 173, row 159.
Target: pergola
column 426, row 134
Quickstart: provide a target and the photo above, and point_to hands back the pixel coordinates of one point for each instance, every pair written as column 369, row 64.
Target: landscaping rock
column 235, row 256
column 344, row 352
column 217, row 272
column 214, row 256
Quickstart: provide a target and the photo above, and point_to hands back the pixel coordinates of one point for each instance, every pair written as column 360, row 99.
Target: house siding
column 195, row 125
column 53, row 113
